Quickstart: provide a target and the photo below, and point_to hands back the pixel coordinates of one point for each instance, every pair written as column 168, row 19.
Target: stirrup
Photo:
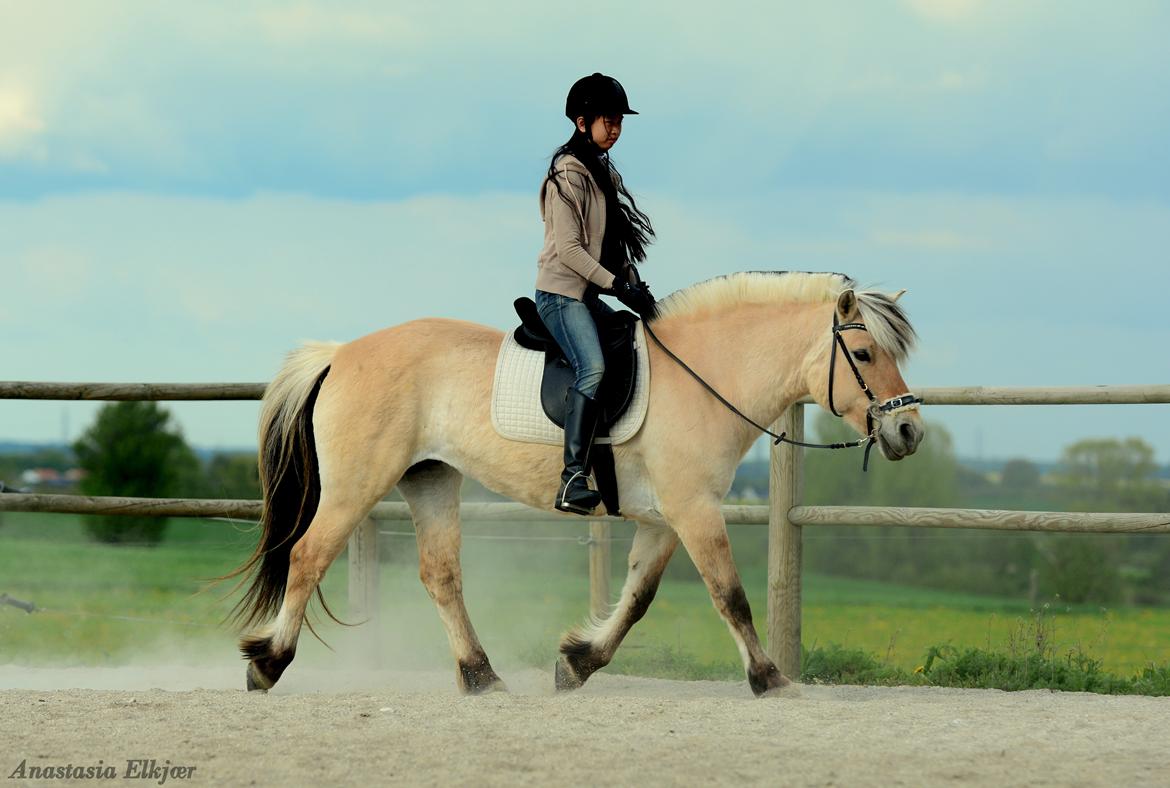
column 563, row 503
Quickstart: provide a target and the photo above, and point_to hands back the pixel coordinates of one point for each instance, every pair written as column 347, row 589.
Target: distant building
column 51, row 477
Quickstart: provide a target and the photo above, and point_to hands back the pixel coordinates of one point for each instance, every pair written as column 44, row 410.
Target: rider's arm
column 568, row 218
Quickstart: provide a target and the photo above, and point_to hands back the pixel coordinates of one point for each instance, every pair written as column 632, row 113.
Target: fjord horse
column 408, row 406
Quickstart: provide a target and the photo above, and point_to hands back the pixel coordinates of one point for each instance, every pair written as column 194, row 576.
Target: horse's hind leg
column 269, row 653
column 432, row 490
column 704, row 534
column 585, row 651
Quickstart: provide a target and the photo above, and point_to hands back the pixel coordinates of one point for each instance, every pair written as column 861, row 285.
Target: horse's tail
column 289, row 479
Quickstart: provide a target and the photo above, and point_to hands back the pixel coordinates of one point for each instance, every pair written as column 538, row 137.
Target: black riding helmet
column 596, row 95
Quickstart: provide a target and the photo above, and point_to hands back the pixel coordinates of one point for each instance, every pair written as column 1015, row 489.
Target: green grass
column 113, row 605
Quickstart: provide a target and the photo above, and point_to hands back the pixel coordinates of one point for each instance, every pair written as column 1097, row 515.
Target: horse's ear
column 846, row 305
column 897, row 295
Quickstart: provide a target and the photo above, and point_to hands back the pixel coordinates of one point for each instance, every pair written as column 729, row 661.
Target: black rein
column 869, row 440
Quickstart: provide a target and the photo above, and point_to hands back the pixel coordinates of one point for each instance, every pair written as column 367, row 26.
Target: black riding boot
column 580, row 425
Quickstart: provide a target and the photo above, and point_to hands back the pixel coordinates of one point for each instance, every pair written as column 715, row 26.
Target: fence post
column 598, row 568
column 784, row 545
column 363, row 584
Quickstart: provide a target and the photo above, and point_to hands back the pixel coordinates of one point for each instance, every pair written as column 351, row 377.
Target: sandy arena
column 414, row 729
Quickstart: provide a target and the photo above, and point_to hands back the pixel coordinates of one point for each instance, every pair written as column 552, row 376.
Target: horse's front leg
column 585, row 651
column 704, row 535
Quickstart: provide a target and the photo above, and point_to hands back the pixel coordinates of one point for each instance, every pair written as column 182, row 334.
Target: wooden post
column 784, row 545
column 598, row 568
column 363, row 585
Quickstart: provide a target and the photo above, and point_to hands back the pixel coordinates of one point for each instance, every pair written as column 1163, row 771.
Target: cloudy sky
column 189, row 190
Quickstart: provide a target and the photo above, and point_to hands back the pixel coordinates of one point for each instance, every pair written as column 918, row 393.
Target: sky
column 188, row 191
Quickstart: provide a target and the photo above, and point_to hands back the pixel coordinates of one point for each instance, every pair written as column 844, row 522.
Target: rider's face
column 604, row 130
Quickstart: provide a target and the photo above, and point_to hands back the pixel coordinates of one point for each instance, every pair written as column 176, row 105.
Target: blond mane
column 885, row 320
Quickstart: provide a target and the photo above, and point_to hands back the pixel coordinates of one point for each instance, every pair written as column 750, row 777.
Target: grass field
column 112, row 605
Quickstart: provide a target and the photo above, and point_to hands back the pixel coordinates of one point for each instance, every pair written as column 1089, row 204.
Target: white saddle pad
column 516, row 411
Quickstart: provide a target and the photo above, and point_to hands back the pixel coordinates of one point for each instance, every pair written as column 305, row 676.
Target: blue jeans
column 571, row 323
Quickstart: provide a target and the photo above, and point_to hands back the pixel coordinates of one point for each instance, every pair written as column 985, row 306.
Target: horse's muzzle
column 900, row 434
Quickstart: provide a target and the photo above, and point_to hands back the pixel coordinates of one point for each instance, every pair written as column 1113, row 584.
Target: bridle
column 873, row 414
column 876, row 410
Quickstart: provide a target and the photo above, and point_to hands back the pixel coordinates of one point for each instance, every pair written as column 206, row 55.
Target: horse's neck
column 755, row 355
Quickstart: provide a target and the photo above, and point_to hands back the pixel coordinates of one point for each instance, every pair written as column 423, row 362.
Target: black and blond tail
column 289, row 478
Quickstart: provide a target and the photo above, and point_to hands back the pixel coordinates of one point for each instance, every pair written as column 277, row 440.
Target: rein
column 892, row 405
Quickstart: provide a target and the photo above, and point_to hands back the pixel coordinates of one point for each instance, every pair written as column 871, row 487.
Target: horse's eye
column 862, row 355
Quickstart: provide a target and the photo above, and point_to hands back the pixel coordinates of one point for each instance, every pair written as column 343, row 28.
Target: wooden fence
column 784, row 514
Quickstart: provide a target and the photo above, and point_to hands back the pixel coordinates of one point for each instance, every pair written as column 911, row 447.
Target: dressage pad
column 516, row 410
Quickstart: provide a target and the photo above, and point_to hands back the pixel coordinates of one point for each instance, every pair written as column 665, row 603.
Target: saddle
column 616, row 332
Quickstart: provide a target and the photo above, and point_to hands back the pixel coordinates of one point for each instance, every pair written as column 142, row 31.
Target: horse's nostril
column 908, row 433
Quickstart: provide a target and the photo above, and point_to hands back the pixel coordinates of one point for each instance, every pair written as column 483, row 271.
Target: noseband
column 873, row 414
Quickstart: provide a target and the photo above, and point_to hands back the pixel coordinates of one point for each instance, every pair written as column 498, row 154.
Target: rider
column 593, row 235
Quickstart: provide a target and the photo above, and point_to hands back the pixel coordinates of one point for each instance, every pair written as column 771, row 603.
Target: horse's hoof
column 476, row 677
column 565, row 677
column 256, row 682
column 765, row 679
column 497, row 685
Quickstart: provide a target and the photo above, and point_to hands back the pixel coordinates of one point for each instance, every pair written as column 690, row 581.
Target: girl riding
column 594, row 233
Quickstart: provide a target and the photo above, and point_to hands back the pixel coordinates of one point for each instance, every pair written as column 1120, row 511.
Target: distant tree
column 1019, row 476
column 234, row 476
column 1110, row 474
column 133, row 449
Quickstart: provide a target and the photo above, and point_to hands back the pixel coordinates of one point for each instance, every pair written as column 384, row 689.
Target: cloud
column 139, row 287
column 360, row 100
column 319, row 170
column 57, row 273
column 20, row 124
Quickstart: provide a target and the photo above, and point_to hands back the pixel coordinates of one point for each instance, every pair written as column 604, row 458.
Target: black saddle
column 616, row 332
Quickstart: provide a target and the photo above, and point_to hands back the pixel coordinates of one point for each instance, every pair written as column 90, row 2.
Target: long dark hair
column 628, row 230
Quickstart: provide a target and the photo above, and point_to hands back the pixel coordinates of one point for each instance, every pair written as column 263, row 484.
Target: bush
column 838, row 665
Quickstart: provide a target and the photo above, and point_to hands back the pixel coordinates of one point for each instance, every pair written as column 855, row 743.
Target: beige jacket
column 573, row 228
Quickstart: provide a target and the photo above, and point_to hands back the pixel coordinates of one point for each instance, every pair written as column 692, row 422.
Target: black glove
column 636, row 297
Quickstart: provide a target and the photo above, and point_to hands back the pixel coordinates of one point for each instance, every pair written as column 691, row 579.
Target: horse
column 409, row 407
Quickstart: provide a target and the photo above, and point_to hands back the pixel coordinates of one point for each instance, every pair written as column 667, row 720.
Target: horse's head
column 857, row 376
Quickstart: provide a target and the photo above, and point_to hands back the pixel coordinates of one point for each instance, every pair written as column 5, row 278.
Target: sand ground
column 407, row 728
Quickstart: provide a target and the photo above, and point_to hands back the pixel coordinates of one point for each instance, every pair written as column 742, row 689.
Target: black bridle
column 876, row 409
column 873, row 414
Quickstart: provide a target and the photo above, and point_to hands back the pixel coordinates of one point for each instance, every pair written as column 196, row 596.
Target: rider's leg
column 571, row 324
